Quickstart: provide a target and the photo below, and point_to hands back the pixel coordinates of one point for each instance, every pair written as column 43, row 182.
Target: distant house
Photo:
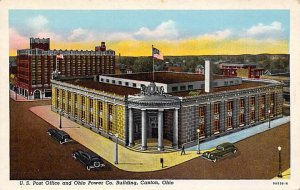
column 200, row 69
column 276, row 72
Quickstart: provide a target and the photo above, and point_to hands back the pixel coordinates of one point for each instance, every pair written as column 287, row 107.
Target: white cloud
column 260, row 30
column 16, row 40
column 37, row 24
column 219, row 35
column 79, row 34
column 166, row 30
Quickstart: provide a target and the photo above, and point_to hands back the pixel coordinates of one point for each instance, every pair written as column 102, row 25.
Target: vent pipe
column 208, row 76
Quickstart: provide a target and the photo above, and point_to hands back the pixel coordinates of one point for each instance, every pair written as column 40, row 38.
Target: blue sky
column 144, row 25
column 188, row 22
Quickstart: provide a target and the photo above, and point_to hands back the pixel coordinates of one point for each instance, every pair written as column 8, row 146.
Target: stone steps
column 152, row 149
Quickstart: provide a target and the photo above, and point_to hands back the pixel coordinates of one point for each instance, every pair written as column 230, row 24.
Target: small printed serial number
column 280, row 183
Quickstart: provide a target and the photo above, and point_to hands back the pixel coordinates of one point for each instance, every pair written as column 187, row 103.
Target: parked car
column 59, row 135
column 221, row 151
column 89, row 159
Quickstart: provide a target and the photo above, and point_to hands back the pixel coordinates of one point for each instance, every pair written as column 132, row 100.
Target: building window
column 102, row 79
column 113, row 81
column 262, row 110
column 100, row 121
column 226, row 83
column 107, row 80
column 63, row 100
column 202, row 130
column 242, row 103
column 75, row 109
column 190, row 87
column 216, row 126
column 134, row 84
column 174, row 89
column 69, row 102
column 201, row 111
column 110, row 114
column 229, row 105
column 57, row 98
column 252, row 101
column 242, row 119
column 182, row 88
column 126, row 84
column 252, row 116
column 120, row 82
column 82, row 108
column 216, row 108
column 229, row 123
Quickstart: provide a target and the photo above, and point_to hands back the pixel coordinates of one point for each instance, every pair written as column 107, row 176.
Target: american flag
column 157, row 54
column 59, row 56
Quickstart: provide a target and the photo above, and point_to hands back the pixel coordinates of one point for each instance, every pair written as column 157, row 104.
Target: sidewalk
column 135, row 161
column 285, row 175
column 243, row 134
column 128, row 160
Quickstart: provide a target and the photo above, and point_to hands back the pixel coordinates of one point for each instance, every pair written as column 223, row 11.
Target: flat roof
column 244, row 85
column 99, row 86
column 167, row 77
column 123, row 90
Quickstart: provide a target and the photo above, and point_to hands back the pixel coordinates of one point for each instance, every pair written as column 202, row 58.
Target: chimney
column 208, row 76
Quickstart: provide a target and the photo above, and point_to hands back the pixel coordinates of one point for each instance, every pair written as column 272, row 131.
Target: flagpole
column 152, row 66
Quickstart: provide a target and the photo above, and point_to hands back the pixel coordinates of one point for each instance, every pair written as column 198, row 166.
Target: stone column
column 160, row 130
column 144, row 130
column 175, row 128
column 130, row 123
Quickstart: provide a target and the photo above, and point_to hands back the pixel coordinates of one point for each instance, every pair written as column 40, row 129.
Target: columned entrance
column 152, row 104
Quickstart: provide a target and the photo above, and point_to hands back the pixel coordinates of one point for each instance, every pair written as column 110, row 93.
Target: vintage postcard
column 144, row 95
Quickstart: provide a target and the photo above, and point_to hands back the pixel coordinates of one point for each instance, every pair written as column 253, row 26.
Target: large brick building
column 247, row 70
column 36, row 65
column 169, row 110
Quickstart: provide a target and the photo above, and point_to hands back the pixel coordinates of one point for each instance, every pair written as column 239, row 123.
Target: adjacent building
column 35, row 66
column 167, row 107
column 248, row 70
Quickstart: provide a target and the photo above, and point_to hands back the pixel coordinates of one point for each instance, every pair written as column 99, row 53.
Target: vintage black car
column 221, row 151
column 59, row 135
column 89, row 159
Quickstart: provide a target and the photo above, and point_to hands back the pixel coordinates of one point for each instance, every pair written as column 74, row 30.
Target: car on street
column 221, row 151
column 59, row 135
column 89, row 159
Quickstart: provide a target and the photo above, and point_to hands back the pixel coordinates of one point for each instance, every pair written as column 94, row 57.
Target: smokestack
column 208, row 76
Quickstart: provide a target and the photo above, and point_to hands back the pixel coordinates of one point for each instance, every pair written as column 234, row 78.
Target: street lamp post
column 116, row 153
column 280, row 172
column 60, row 112
column 269, row 111
column 198, row 147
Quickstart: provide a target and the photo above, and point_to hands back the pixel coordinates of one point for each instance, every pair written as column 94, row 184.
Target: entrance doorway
column 153, row 126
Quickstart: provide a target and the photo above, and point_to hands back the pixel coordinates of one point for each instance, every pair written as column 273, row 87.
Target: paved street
column 36, row 156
